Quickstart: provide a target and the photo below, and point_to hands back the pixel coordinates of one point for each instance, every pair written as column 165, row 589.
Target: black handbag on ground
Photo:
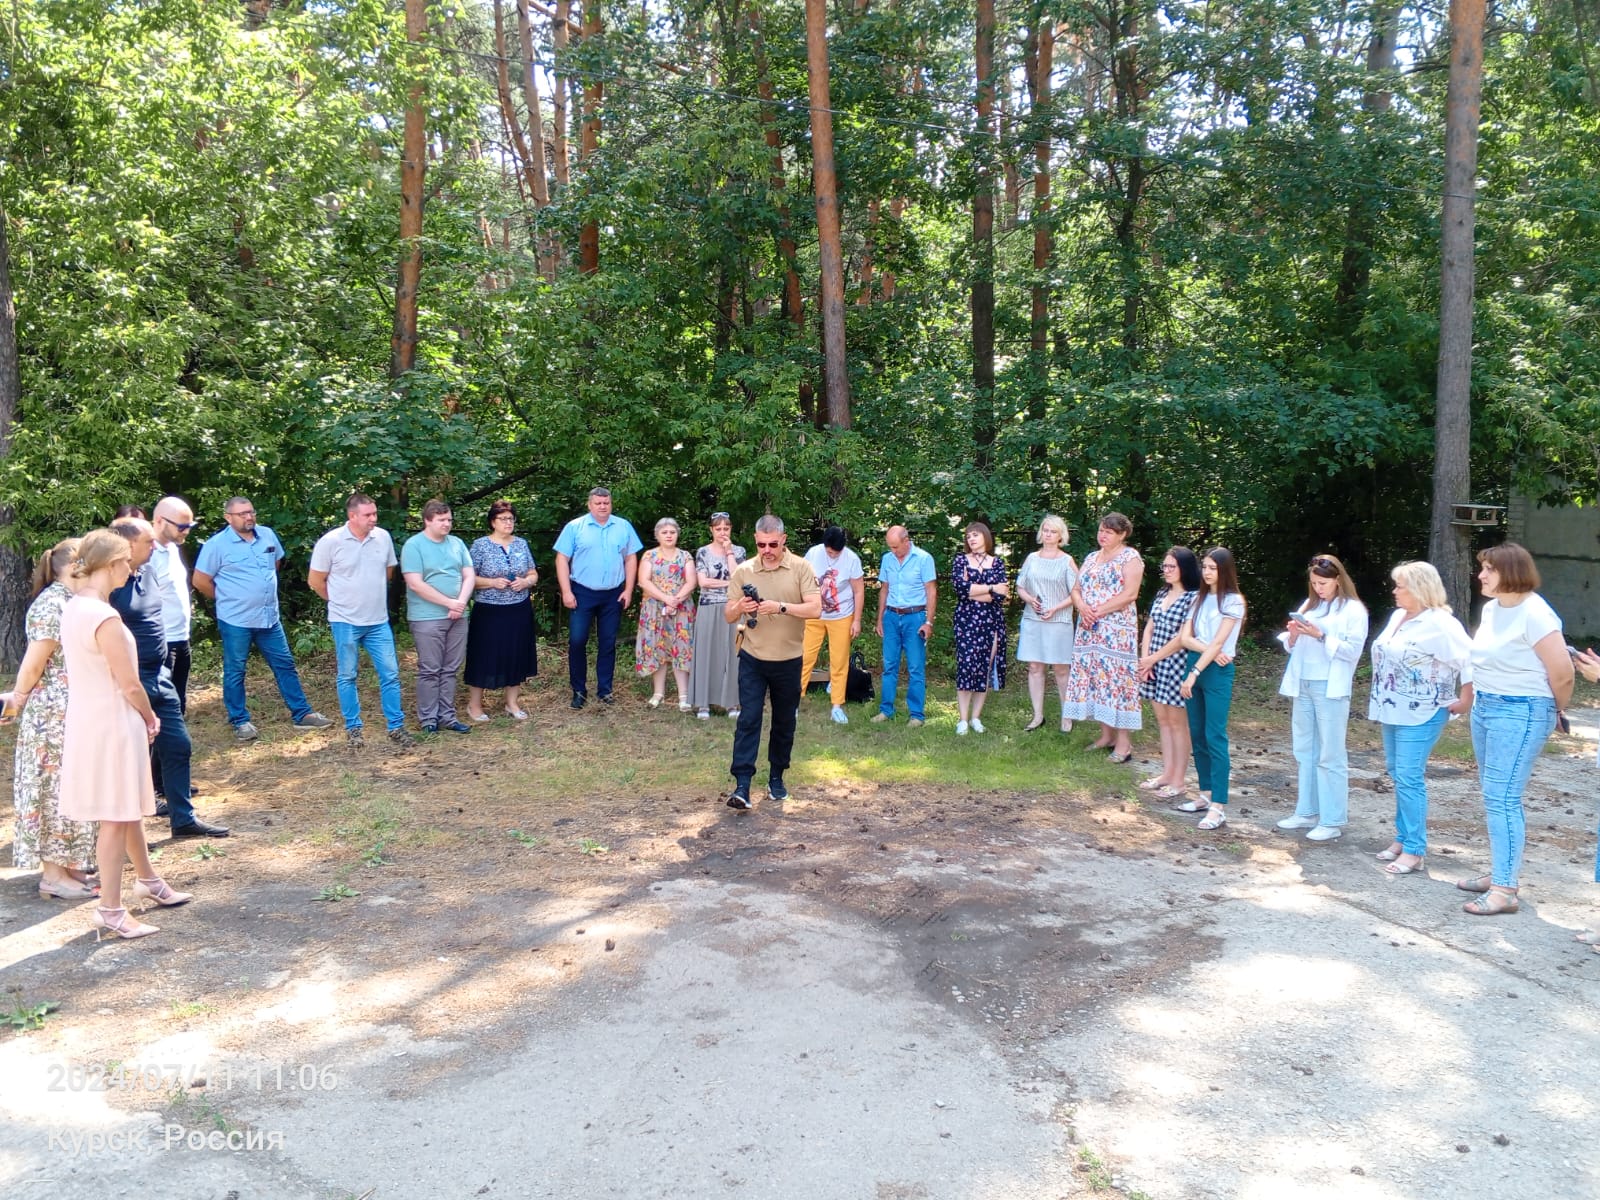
column 858, row 687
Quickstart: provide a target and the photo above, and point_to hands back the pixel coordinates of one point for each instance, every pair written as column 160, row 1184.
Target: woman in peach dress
column 105, row 767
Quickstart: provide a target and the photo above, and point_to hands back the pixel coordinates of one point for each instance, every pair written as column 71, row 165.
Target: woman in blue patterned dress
column 502, row 649
column 979, row 579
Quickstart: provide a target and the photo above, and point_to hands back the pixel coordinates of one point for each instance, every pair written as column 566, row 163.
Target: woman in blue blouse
column 501, row 650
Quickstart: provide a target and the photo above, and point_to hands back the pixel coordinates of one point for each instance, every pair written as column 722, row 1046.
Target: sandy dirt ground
column 896, row 991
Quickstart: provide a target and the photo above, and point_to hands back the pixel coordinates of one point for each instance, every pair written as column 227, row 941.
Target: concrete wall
column 1565, row 542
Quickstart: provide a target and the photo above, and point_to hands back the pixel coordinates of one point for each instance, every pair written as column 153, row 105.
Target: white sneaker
column 961, row 729
column 733, row 714
column 1298, row 823
column 704, row 714
column 1324, row 833
column 839, row 717
column 977, row 725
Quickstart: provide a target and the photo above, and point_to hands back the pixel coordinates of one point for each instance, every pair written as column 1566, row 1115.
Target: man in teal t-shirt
column 439, row 583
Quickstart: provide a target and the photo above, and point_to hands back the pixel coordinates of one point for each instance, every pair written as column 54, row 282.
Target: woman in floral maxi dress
column 1104, row 685
column 666, row 618
column 62, row 849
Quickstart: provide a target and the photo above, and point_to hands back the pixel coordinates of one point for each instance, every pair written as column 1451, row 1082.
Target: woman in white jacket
column 1325, row 638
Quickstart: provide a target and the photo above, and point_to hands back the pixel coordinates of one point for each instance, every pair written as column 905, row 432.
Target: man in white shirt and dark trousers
column 350, row 569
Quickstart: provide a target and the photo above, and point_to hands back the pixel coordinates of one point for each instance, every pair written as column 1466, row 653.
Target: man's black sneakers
column 740, row 797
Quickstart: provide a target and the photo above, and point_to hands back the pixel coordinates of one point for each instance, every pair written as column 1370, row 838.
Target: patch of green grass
column 25, row 1016
column 373, row 857
column 336, row 892
column 591, row 847
column 530, row 840
column 1094, row 1170
column 190, row 1008
column 205, row 852
column 196, row 1108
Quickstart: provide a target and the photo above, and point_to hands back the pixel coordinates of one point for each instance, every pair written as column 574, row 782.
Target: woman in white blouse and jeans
column 1522, row 679
column 1325, row 638
column 1419, row 661
column 1211, row 636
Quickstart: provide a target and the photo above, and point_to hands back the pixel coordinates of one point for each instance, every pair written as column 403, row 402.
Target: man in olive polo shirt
column 771, row 646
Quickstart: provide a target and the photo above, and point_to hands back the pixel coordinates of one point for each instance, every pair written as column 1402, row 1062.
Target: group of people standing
column 112, row 611
column 1511, row 678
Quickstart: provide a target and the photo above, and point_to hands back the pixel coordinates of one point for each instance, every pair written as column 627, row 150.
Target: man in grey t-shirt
column 350, row 569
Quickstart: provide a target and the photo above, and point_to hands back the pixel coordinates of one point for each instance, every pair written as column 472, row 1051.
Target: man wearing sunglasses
column 172, row 521
column 771, row 646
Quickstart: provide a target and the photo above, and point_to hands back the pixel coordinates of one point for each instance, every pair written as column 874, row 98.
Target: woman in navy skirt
column 501, row 647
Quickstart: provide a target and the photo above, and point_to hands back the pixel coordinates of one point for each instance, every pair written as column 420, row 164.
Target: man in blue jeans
column 350, row 569
column 597, row 563
column 908, row 594
column 237, row 570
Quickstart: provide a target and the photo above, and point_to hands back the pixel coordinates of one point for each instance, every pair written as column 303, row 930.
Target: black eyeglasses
column 242, row 512
column 180, row 524
column 768, row 545
column 1323, row 563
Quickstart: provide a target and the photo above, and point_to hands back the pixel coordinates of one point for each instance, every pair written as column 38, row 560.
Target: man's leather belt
column 919, row 608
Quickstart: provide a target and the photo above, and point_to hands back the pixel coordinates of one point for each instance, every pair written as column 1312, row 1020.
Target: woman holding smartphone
column 1324, row 639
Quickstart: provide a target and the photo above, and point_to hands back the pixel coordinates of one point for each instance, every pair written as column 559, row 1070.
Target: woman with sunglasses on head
column 1324, row 639
column 1102, row 685
column 1521, row 680
column 1161, row 667
column 713, row 670
column 1211, row 636
column 1419, row 661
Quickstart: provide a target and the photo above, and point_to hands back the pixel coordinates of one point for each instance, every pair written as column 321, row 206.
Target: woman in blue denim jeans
column 1324, row 639
column 1421, row 660
column 1522, row 679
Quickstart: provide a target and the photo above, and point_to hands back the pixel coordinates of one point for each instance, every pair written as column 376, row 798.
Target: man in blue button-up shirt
column 238, row 571
column 596, row 564
column 907, row 595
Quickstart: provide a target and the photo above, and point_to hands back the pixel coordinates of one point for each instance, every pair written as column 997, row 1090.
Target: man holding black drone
column 774, row 594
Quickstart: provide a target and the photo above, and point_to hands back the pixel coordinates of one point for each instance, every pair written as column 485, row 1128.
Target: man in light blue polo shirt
column 907, row 596
column 350, row 569
column 596, row 564
column 237, row 570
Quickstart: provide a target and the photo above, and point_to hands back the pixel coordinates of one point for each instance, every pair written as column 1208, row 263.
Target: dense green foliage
column 203, row 229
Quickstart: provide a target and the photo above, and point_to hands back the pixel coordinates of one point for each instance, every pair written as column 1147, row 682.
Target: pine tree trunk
column 558, row 98
column 836, row 379
column 413, row 172
column 983, row 419
column 1043, row 58
column 593, row 94
column 1449, row 545
column 794, row 304
column 1355, row 268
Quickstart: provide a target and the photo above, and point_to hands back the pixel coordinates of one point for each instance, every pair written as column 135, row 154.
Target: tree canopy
column 1240, row 290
